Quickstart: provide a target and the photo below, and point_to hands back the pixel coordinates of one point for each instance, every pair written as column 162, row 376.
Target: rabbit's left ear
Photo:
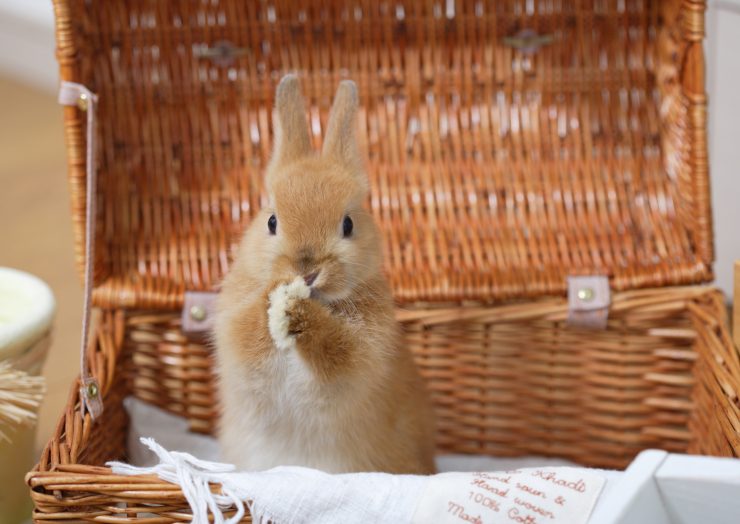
column 292, row 141
column 340, row 142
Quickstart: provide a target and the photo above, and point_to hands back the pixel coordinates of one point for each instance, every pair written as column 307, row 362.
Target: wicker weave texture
column 495, row 171
column 506, row 381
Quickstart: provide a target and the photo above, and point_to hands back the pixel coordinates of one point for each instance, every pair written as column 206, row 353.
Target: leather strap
column 198, row 311
column 73, row 94
column 589, row 299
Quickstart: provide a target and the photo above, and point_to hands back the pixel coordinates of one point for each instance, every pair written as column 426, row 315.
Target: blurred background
column 35, row 224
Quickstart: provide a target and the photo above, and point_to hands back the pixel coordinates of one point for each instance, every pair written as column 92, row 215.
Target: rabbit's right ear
column 340, row 141
column 292, row 141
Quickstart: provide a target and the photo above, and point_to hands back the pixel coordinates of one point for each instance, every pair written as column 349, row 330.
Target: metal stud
column 585, row 294
column 83, row 101
column 92, row 390
column 198, row 313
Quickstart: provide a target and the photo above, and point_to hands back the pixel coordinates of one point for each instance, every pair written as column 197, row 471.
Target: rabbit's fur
column 317, row 375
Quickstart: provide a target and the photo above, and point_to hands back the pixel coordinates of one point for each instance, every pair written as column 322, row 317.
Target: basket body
column 508, row 380
column 510, row 144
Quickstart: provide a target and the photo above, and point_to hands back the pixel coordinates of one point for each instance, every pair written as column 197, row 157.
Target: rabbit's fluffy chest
column 291, row 387
column 286, row 417
column 282, row 387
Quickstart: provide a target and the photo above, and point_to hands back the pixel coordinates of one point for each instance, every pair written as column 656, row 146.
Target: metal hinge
column 589, row 299
column 198, row 312
column 528, row 41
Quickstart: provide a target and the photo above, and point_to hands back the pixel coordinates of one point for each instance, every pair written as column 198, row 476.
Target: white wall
column 723, row 84
column 27, row 42
column 27, row 52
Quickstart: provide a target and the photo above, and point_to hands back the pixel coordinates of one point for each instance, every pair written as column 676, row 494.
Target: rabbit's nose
column 310, row 278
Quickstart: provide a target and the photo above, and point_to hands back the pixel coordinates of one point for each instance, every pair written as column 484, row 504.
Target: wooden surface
column 35, row 224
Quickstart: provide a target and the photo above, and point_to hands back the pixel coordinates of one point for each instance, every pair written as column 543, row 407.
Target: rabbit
column 312, row 366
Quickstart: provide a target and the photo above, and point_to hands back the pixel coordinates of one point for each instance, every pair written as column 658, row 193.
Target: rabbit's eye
column 347, row 226
column 272, row 224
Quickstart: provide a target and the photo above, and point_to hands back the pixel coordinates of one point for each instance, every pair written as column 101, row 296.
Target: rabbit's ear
column 340, row 142
column 289, row 121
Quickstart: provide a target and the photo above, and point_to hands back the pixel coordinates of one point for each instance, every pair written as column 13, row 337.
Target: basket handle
column 73, row 94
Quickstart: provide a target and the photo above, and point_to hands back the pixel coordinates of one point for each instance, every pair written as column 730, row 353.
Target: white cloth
column 285, row 494
column 301, row 495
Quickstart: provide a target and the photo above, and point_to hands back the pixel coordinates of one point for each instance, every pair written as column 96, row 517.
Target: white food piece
column 282, row 299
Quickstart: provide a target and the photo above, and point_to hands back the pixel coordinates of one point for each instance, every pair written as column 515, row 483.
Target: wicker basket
column 512, row 144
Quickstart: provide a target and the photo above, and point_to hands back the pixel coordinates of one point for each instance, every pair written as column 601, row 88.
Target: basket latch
column 588, row 301
column 528, row 41
column 198, row 311
column 222, row 53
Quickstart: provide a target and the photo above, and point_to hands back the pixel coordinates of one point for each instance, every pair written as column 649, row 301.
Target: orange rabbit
column 313, row 369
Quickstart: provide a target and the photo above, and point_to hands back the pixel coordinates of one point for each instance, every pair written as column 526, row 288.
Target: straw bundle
column 20, row 398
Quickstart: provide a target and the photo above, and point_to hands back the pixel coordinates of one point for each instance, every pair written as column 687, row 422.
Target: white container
column 26, row 312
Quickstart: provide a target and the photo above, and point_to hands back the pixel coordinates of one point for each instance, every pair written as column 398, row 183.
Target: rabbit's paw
column 283, row 300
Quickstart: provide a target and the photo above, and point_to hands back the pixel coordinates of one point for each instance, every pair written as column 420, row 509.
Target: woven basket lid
column 510, row 143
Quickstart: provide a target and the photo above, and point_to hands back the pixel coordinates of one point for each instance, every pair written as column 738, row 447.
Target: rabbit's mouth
column 322, row 296
column 316, row 295
column 326, row 292
column 321, row 290
column 327, row 278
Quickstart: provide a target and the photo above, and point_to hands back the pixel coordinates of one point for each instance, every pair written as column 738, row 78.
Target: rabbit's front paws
column 283, row 300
